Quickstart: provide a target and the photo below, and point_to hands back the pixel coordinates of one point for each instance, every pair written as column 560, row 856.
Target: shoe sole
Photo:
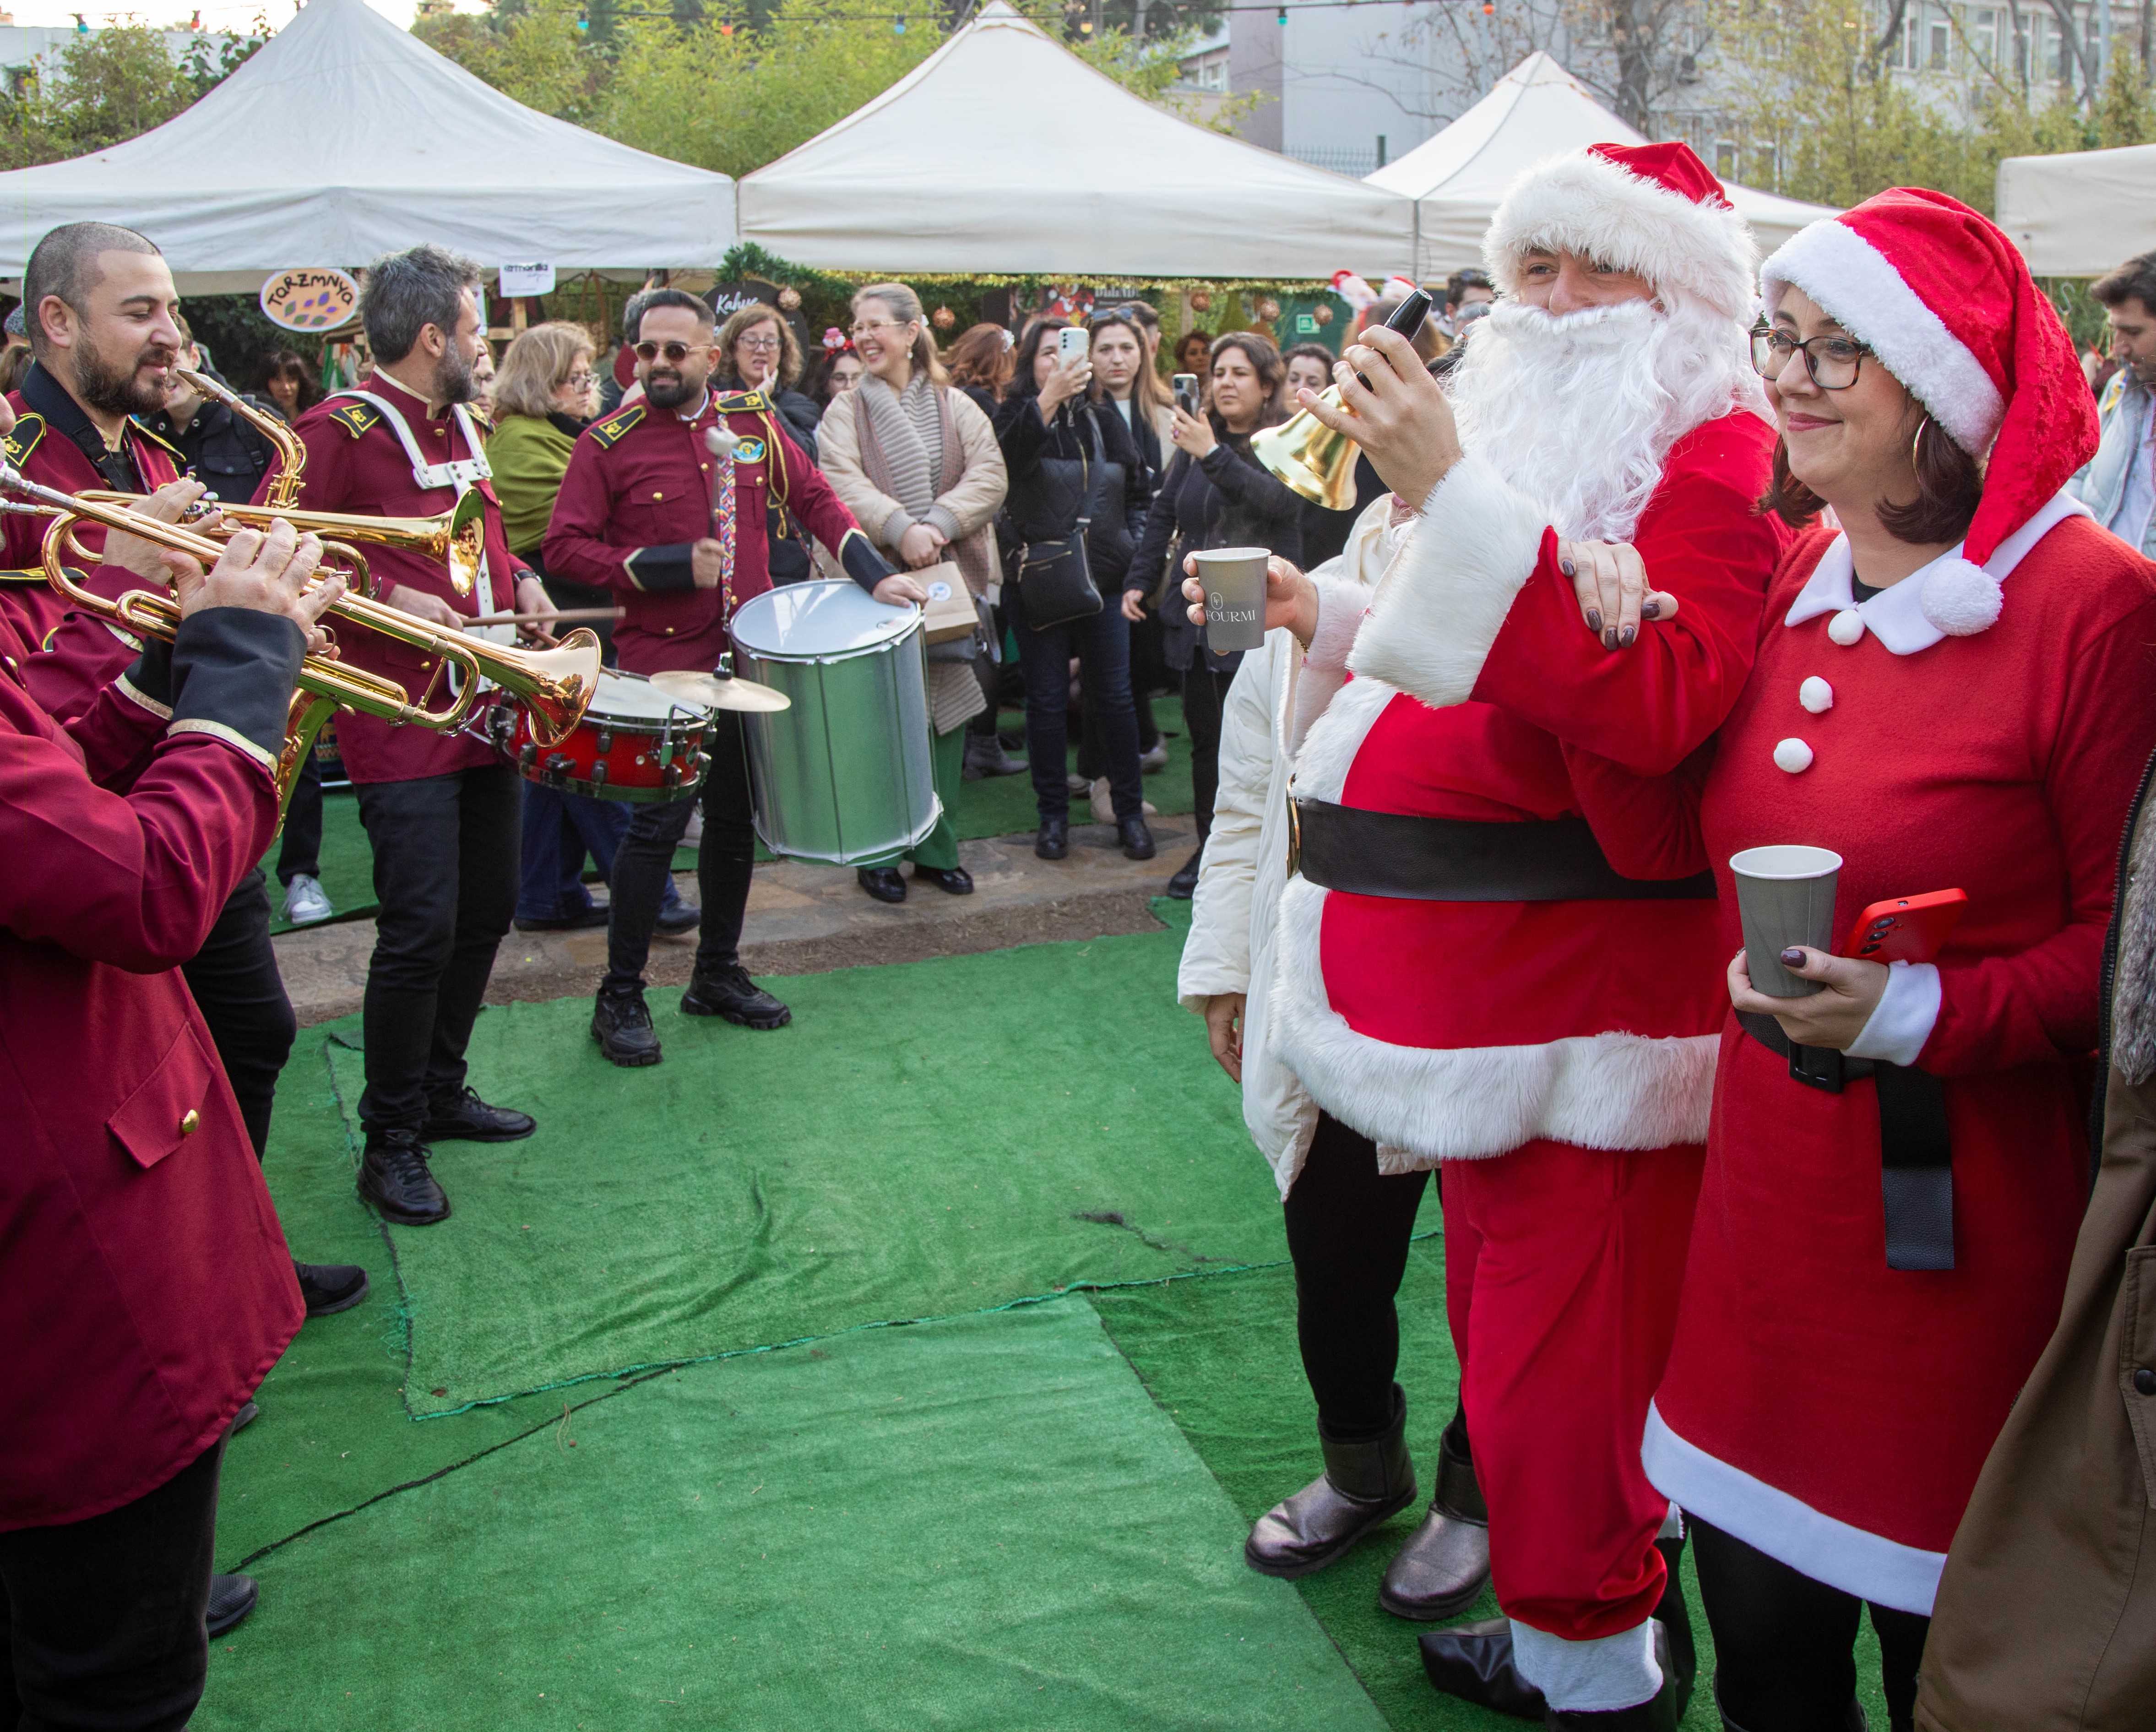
column 1311, row 1566
column 762, row 1024
column 431, row 1136
column 389, row 1212
column 345, row 1303
column 1433, row 1611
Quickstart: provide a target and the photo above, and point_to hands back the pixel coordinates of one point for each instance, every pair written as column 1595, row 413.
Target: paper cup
column 1234, row 582
column 1785, row 896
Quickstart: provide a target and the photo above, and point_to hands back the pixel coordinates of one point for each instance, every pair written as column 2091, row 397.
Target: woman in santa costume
column 1955, row 689
column 1464, row 981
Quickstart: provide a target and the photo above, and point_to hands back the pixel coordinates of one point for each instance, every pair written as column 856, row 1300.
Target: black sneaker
column 621, row 1023
column 330, row 1287
column 731, row 993
column 231, row 1598
column 1184, row 884
column 1136, row 838
column 680, row 918
column 465, row 1117
column 394, row 1177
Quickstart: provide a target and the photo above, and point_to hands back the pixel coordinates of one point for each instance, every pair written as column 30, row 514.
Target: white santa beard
column 1578, row 410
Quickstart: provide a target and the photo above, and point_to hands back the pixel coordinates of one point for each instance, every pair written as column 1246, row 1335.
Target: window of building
column 1941, row 38
column 1725, row 159
column 1983, row 36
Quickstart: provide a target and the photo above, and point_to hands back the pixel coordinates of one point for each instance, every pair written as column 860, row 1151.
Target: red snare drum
column 634, row 743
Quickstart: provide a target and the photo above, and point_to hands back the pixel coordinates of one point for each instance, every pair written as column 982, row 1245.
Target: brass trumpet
column 1314, row 461
column 555, row 684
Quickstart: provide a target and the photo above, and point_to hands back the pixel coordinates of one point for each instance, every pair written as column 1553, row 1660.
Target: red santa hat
column 1945, row 301
column 1653, row 208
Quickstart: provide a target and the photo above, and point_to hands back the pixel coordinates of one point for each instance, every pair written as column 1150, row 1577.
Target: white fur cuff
column 1443, row 603
column 1903, row 1018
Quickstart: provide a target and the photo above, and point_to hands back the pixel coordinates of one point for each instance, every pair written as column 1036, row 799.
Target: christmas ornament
column 1269, row 309
column 1322, row 313
column 942, row 318
column 1200, row 301
column 789, row 299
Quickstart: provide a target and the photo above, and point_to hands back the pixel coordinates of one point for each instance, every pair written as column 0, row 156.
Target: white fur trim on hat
column 1960, row 599
column 1855, row 285
column 1584, row 204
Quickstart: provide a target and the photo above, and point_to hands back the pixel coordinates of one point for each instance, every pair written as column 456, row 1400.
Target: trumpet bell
column 556, row 686
column 1314, row 462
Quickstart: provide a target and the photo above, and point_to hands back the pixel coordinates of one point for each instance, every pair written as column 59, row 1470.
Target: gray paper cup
column 1785, row 896
column 1234, row 581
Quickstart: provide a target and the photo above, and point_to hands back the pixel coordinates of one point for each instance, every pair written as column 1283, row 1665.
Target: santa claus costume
column 1884, row 1232
column 1463, row 979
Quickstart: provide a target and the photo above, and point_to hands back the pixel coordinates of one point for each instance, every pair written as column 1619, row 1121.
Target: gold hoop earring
column 1915, row 444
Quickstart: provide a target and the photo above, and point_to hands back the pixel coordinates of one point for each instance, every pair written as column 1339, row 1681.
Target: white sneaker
column 1151, row 763
column 304, row 904
column 1104, row 803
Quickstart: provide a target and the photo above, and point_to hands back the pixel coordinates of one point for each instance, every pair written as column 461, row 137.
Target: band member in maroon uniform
column 102, row 327
column 636, row 514
column 145, row 1289
column 440, row 810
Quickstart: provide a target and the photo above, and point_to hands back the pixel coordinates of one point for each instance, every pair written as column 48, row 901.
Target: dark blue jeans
column 1102, row 642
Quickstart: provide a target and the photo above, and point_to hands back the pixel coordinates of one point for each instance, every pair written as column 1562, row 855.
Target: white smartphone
column 1186, row 392
column 1072, row 340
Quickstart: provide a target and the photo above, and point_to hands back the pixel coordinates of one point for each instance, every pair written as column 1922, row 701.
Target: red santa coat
column 1451, row 1030
column 638, row 497
column 145, row 1285
column 1826, row 1409
column 356, row 463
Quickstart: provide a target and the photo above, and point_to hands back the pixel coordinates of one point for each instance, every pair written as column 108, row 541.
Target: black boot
column 1136, row 838
column 1473, row 1662
column 1364, row 1484
column 621, row 1023
column 1440, row 1570
column 955, row 879
column 884, row 883
column 1671, row 1613
column 678, row 917
column 1185, row 881
column 231, row 1598
column 730, row 993
column 463, row 1116
column 1053, row 842
column 327, row 1288
column 1660, row 1713
column 394, row 1176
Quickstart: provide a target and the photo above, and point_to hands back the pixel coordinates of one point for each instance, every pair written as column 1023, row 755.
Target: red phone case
column 1906, row 928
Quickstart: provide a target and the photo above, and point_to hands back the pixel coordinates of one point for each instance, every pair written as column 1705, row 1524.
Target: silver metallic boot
column 1364, row 1484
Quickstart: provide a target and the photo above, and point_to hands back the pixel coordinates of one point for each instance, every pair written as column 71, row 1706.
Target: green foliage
column 109, row 86
column 532, row 53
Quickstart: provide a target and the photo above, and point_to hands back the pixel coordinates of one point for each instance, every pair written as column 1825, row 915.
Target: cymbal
column 708, row 691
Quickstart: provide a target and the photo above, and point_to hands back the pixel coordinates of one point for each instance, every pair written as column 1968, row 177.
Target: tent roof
column 1004, row 151
column 344, row 138
column 1536, row 110
column 2082, row 212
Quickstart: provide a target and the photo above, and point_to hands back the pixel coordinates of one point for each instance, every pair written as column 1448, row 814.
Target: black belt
column 1458, row 860
column 1916, row 1156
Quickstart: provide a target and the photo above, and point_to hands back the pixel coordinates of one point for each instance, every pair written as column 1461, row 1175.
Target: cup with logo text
column 1234, row 583
column 1785, row 896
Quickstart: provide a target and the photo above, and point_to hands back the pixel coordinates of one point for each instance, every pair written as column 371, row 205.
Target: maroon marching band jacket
column 638, row 497
column 356, row 463
column 145, row 1285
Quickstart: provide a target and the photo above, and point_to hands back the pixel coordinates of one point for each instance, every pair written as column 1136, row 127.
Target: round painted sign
column 313, row 298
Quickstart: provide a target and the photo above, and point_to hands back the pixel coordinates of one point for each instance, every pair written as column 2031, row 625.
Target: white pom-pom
column 1816, row 696
column 1961, row 599
column 1846, row 627
column 1794, row 756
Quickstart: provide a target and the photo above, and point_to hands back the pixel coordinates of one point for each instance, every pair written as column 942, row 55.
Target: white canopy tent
column 345, row 138
column 1005, row 152
column 1536, row 109
column 2082, row 212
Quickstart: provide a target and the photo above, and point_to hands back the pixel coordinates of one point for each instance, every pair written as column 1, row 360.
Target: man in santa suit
column 1460, row 968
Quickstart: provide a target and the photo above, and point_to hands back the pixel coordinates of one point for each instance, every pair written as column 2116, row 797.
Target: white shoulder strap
column 459, row 473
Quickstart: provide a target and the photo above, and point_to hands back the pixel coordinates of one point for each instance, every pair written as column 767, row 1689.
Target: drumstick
column 567, row 616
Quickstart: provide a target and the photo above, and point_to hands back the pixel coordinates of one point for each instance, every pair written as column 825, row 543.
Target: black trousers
column 101, row 1620
column 301, row 848
column 1205, row 697
column 445, row 866
column 1783, row 1642
column 726, row 859
column 1348, row 1226
column 235, row 983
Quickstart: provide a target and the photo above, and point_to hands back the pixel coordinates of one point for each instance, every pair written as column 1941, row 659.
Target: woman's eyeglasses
column 870, row 327
column 675, row 352
column 1832, row 362
column 759, row 340
column 582, row 381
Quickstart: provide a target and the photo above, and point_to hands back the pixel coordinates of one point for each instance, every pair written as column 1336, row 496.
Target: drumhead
column 800, row 622
column 632, row 697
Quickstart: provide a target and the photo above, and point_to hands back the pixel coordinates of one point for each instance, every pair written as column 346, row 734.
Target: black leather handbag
column 1056, row 577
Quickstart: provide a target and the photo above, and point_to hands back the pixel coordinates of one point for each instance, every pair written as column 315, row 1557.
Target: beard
column 453, row 377
column 121, row 389
column 1578, row 410
column 671, row 390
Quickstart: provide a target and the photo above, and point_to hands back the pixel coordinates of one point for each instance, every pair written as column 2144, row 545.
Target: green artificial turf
column 976, row 1523
column 346, row 861
column 894, row 1153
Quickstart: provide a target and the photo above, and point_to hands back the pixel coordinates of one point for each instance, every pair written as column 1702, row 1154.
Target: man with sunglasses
column 637, row 515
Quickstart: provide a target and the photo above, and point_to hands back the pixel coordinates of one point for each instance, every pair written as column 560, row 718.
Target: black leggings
column 1348, row 1226
column 1784, row 1659
column 1204, row 695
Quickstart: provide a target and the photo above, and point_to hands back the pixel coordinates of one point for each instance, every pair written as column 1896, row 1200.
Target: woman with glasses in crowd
column 1215, row 494
column 755, row 350
column 917, row 464
column 1068, row 453
column 836, row 372
column 546, row 392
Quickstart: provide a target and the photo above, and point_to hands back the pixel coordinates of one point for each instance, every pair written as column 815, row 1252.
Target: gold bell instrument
column 1309, row 457
column 556, row 686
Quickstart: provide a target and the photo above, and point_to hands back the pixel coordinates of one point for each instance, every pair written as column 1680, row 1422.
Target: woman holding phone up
column 1957, row 689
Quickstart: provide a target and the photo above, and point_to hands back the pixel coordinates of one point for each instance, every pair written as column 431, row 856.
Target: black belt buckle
column 1821, row 1068
column 1293, row 831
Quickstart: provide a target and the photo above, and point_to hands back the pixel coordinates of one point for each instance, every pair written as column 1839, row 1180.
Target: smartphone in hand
column 1185, row 386
column 1906, row 928
column 1072, row 341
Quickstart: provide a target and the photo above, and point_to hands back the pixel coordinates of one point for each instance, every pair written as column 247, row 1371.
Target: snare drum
column 634, row 743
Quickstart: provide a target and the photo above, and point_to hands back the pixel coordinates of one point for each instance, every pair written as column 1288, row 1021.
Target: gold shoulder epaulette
column 604, row 433
column 171, row 449
column 24, row 440
column 355, row 417
column 742, row 403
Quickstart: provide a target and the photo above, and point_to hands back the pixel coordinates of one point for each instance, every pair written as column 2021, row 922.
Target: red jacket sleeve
column 577, row 546
column 1649, row 826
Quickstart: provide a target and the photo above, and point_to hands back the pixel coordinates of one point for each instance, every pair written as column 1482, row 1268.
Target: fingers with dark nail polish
column 1594, row 618
column 1624, row 638
column 1793, row 957
column 1651, row 610
column 1609, row 639
column 1567, row 567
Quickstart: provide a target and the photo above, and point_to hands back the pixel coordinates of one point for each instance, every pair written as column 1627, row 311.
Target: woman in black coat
column 1062, row 449
column 1215, row 494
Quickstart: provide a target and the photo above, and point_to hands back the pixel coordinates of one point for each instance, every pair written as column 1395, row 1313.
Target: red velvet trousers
column 1562, row 1271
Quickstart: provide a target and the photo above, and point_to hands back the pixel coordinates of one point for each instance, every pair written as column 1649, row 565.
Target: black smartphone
column 1406, row 320
column 1186, row 392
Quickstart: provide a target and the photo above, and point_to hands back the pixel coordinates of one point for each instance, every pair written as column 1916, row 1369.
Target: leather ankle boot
column 1364, row 1483
column 1473, row 1662
column 1442, row 1567
column 1671, row 1613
